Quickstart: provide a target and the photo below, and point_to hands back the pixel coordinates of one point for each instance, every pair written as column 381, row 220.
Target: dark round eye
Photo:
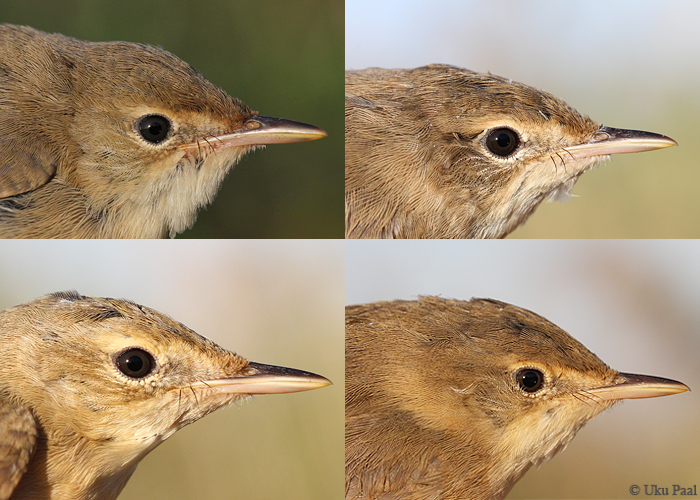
column 502, row 142
column 154, row 128
column 530, row 380
column 135, row 363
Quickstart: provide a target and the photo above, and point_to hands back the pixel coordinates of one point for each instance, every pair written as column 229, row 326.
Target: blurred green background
column 633, row 303
column 627, row 64
column 276, row 302
column 281, row 58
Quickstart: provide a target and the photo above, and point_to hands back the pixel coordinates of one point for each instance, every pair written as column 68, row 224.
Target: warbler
column 89, row 386
column 114, row 139
column 448, row 399
column 444, row 152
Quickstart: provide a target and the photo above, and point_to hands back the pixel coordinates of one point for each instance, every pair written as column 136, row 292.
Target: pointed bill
column 608, row 140
column 257, row 378
column 263, row 130
column 632, row 386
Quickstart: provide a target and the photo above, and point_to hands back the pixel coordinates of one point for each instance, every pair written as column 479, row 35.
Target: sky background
column 632, row 303
column 274, row 302
column 627, row 64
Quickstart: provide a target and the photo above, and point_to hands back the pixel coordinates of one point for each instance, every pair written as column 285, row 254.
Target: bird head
column 108, row 380
column 483, row 389
column 136, row 131
column 440, row 151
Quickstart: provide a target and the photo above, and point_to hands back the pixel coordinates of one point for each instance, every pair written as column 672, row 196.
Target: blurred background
column 627, row 64
column 283, row 59
column 274, row 302
column 633, row 303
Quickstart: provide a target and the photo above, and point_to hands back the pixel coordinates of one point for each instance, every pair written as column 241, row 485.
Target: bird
column 89, row 386
column 443, row 152
column 448, row 399
column 115, row 139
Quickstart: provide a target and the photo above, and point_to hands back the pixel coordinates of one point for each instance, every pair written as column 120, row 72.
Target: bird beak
column 263, row 130
column 631, row 386
column 257, row 378
column 608, row 140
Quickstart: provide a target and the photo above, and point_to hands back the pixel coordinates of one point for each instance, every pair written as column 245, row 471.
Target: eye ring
column 530, row 380
column 154, row 128
column 135, row 363
column 502, row 141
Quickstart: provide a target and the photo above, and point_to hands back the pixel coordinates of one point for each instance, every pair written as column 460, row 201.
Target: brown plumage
column 114, row 139
column 444, row 152
column 449, row 399
column 89, row 386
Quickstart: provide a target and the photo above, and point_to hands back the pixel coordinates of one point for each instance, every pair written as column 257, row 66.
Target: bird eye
column 530, row 380
column 135, row 363
column 502, row 142
column 154, row 128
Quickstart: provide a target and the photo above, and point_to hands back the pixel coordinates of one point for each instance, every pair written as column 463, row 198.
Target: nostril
column 248, row 370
